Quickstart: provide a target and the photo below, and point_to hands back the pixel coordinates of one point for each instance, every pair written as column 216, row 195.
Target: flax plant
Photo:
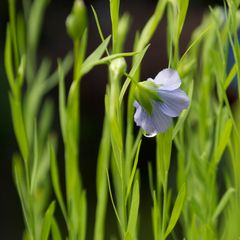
column 32, row 115
column 205, row 200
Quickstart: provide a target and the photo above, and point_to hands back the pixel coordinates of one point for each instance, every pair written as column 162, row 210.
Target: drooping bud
column 76, row 21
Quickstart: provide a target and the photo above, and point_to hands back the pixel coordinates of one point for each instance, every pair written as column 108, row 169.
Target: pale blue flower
column 155, row 115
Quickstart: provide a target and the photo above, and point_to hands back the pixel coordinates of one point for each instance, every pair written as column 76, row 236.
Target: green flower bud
column 146, row 93
column 76, row 21
column 117, row 67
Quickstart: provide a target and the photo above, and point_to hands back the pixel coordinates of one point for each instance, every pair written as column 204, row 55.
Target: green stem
column 102, row 195
column 165, row 187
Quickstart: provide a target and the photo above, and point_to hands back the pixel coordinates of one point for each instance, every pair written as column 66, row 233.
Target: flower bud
column 118, row 67
column 76, row 21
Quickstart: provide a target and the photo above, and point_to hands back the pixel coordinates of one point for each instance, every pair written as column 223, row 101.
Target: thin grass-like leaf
column 99, row 27
column 18, row 171
column 132, row 72
column 223, row 203
column 230, row 76
column 123, row 29
column 83, row 216
column 19, row 127
column 114, row 12
column 56, row 181
column 182, row 11
column 151, row 25
column 107, row 59
column 133, row 172
column 111, row 197
column 223, row 141
column 91, row 61
column 133, row 215
column 196, row 41
column 62, row 100
column 56, row 234
column 47, row 221
column 35, row 159
column 8, row 60
column 53, row 79
column 177, row 208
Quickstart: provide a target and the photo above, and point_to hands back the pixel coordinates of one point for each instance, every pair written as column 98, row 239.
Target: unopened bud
column 77, row 20
column 118, row 67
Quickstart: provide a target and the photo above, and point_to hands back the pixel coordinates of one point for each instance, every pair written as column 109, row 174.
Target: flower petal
column 161, row 121
column 168, row 79
column 151, row 124
column 173, row 102
column 143, row 120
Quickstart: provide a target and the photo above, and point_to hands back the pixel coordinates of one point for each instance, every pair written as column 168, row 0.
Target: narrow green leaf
column 62, row 100
column 99, row 27
column 43, row 70
column 195, row 42
column 46, row 119
column 164, row 147
column 53, row 79
column 151, row 25
column 21, row 71
column 90, row 62
column 18, row 171
column 21, row 34
column 13, row 29
column 113, row 204
column 156, row 219
column 223, row 141
column 123, row 29
column 150, row 179
column 133, row 172
column 47, row 221
column 8, row 60
column 35, row 22
column 223, row 203
column 19, row 127
column 103, row 156
column 56, row 234
column 182, row 11
column 109, row 58
column 56, row 181
column 177, row 208
column 83, row 216
column 230, row 76
column 133, row 215
column 132, row 72
column 101, row 182
column 35, row 159
column 82, row 49
column 116, row 134
column 114, row 12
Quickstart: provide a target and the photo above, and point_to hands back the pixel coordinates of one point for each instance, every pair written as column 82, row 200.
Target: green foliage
column 201, row 146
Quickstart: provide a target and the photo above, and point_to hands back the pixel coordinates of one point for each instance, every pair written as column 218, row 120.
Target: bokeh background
column 55, row 43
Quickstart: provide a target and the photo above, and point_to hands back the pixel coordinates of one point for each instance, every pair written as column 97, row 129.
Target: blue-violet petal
column 168, row 79
column 173, row 102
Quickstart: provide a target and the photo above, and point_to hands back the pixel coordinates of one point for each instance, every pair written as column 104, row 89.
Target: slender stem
column 165, row 187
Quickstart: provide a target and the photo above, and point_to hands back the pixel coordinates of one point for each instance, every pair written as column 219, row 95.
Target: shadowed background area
column 55, row 43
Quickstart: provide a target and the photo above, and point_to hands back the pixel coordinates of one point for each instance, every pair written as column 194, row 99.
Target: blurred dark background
column 55, row 43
